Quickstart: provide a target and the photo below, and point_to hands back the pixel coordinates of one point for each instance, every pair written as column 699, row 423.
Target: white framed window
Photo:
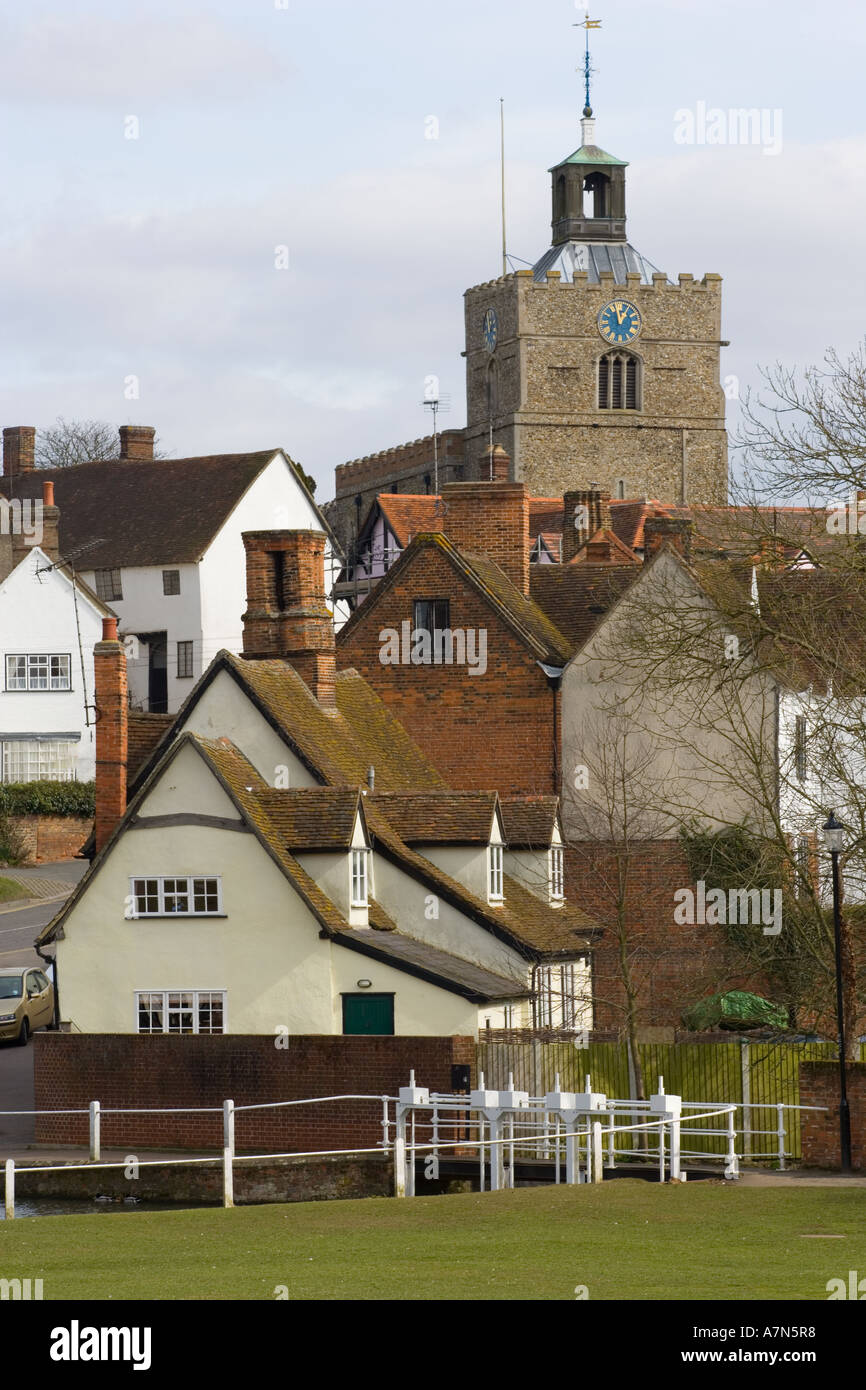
column 42, row 671
column 557, row 890
column 176, row 897
column 360, row 886
column 180, row 1011
column 544, row 1003
column 494, row 874
column 40, row 760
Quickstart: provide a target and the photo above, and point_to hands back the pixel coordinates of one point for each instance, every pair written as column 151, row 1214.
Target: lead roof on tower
column 590, row 154
column 595, row 256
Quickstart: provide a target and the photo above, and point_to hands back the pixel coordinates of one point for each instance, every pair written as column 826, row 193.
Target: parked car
column 26, row 1002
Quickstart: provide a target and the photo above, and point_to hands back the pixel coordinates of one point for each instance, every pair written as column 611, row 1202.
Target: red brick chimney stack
column 494, row 466
column 19, row 450
column 109, row 660
column 136, row 443
column 667, row 530
column 590, row 503
column 287, row 616
column 491, row 519
column 50, row 523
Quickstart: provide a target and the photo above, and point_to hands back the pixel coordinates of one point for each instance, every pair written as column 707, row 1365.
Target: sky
column 229, row 221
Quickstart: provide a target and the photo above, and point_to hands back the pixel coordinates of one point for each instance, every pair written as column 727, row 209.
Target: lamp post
column 834, row 839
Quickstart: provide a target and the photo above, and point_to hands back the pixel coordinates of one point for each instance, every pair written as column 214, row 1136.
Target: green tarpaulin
column 736, row 1009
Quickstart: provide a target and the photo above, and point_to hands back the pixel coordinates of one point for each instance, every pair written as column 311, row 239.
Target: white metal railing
column 582, row 1132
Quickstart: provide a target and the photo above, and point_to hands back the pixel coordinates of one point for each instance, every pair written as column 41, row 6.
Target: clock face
column 620, row 321
column 490, row 329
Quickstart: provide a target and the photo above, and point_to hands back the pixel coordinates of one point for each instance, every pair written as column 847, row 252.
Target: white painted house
column 49, row 622
column 286, row 858
column 159, row 542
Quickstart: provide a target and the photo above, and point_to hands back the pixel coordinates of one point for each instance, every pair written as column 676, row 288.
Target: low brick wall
column 44, row 839
column 819, row 1085
column 130, row 1071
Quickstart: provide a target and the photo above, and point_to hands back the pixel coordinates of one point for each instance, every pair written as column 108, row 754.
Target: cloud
column 98, row 59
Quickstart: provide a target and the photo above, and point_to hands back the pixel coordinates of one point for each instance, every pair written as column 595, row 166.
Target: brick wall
column 127, row 1070
column 819, row 1085
column 481, row 731
column 672, row 966
column 45, row 838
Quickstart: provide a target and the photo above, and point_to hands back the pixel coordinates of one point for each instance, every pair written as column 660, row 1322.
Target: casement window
column 800, row 762
column 494, row 873
column 171, row 582
column 619, row 381
column 108, row 585
column 180, row 1011
column 40, row 760
column 360, row 886
column 46, row 671
column 184, row 660
column 557, row 890
column 432, row 615
column 559, row 1000
column 176, row 897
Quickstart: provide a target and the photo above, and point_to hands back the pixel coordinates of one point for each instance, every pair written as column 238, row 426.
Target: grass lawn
column 10, row 890
column 624, row 1240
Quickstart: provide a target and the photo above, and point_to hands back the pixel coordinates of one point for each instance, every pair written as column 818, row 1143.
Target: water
column 83, row 1206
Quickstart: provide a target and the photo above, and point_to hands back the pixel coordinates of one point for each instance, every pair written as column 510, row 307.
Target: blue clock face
column 491, row 329
column 620, row 321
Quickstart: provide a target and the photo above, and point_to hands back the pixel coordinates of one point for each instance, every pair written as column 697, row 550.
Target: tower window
column 619, row 382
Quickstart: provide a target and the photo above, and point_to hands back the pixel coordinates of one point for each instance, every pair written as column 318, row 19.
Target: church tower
column 593, row 366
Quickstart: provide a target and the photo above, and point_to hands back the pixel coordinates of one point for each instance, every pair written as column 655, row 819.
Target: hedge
column 46, row 799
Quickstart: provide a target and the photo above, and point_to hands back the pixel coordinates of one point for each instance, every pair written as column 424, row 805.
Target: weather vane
column 588, row 69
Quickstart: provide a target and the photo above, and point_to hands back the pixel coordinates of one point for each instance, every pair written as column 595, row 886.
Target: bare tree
column 69, row 442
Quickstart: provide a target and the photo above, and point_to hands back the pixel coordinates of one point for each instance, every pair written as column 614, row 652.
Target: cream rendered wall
column 419, row 1008
column 531, row 867
column 224, row 711
column 333, row 873
column 187, row 784
column 412, row 905
column 684, row 752
column 465, row 863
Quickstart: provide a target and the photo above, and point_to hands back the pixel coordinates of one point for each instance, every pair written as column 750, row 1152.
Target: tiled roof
column 408, row 513
column 338, row 746
column 449, row 818
column 525, row 616
column 144, row 733
column 605, row 540
column 576, row 597
column 312, row 817
column 472, row 981
column 145, row 513
column 529, row 820
column 523, row 920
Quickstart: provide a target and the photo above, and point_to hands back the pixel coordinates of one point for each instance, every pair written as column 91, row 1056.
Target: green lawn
column 9, row 890
column 624, row 1240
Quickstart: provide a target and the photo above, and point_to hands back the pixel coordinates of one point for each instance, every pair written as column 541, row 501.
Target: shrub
column 45, row 799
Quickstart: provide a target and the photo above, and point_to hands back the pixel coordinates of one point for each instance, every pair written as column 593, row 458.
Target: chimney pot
column 109, row 629
column 586, row 511
column 47, row 494
column 670, row 530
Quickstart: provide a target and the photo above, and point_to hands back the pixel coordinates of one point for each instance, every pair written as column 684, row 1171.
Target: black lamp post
column 834, row 839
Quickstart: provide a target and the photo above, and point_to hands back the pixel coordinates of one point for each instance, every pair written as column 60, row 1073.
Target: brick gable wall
column 490, row 731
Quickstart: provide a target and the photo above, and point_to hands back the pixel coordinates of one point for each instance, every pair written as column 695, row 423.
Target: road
column 18, row 927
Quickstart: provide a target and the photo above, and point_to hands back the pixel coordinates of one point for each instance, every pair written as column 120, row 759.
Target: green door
column 368, row 1013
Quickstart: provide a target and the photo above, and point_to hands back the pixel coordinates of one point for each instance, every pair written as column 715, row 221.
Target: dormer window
column 360, row 888
column 557, row 890
column 494, row 875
